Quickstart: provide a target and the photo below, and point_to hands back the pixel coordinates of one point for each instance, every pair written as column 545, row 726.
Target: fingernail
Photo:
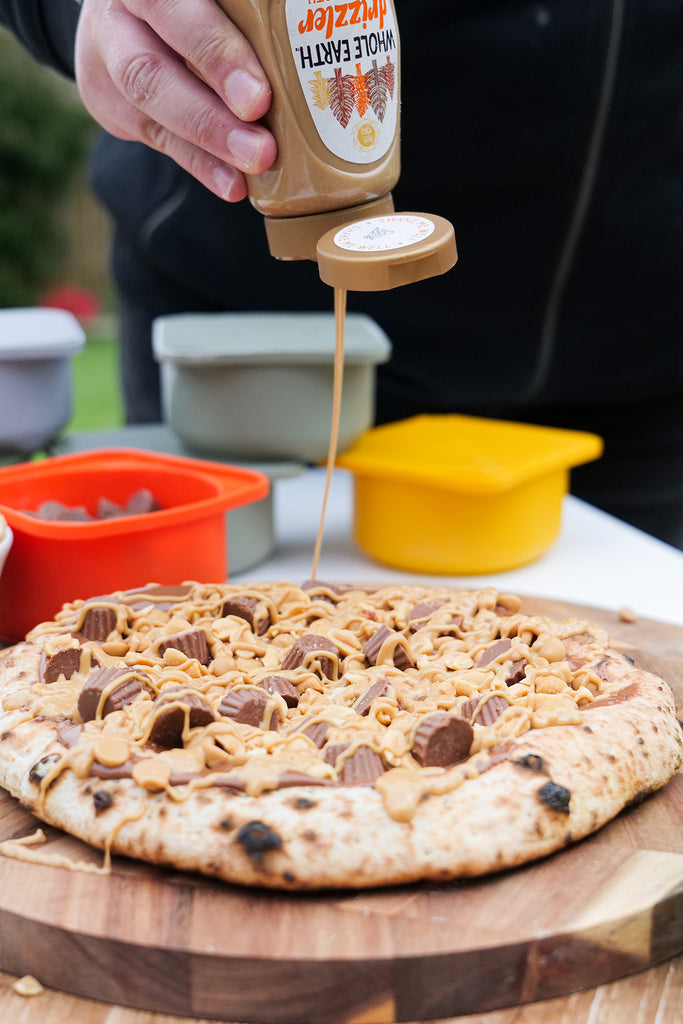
column 225, row 181
column 244, row 146
column 242, row 91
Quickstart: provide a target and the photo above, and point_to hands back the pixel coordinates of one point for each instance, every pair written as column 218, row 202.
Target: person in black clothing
column 548, row 132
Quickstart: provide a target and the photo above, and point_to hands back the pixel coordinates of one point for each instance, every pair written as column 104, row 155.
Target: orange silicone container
column 53, row 562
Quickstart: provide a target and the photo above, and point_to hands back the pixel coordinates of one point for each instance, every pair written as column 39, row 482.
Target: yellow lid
column 467, row 454
column 381, row 252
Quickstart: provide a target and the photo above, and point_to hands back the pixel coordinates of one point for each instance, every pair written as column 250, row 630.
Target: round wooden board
column 179, row 944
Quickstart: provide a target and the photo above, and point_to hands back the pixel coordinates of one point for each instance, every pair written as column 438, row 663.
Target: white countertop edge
column 597, row 560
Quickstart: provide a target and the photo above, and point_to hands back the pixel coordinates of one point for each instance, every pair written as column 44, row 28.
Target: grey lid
column 39, row 333
column 158, row 437
column 195, row 338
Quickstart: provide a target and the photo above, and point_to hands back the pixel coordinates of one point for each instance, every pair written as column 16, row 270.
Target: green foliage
column 44, row 136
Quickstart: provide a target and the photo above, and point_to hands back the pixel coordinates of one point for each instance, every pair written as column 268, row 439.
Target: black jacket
column 548, row 132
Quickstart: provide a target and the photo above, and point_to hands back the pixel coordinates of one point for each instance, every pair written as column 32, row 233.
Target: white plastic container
column 36, row 393
column 259, row 385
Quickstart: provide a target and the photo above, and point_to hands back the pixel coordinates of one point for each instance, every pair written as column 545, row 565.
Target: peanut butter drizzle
column 446, row 677
column 339, row 322
column 23, row 849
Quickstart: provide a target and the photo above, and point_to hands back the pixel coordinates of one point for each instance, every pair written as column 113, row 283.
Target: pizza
column 312, row 736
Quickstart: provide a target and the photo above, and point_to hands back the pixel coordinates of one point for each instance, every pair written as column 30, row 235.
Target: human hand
column 181, row 78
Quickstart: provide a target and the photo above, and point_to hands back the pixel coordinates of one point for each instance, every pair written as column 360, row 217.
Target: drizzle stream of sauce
column 339, row 319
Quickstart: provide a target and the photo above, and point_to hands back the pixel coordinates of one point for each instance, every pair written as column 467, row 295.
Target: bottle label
column 346, row 55
column 381, row 234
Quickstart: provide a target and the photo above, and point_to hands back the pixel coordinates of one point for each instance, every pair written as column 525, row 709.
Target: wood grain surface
column 164, row 942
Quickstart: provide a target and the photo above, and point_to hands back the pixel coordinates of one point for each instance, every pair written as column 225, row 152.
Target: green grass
column 98, row 404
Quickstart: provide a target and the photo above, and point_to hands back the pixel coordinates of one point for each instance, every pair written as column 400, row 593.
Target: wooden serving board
column 174, row 943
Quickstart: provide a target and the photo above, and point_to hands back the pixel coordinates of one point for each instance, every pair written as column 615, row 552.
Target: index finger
column 203, row 35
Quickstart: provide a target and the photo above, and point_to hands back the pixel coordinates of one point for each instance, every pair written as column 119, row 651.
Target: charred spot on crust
column 289, row 877
column 258, row 838
column 532, row 761
column 555, row 797
column 7, row 735
column 303, row 803
column 225, row 823
column 638, row 799
column 41, row 768
column 102, row 800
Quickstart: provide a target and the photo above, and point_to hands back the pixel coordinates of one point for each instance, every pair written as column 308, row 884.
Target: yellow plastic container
column 458, row 495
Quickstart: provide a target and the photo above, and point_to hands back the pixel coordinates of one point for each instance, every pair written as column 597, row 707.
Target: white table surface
column 597, row 560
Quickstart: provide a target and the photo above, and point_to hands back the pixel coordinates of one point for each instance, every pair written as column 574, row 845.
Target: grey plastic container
column 259, row 385
column 250, row 528
column 36, row 376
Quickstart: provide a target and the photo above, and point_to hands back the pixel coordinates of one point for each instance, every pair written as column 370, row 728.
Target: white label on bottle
column 346, row 56
column 379, row 234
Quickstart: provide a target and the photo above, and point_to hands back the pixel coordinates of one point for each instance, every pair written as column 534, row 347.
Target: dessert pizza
column 324, row 736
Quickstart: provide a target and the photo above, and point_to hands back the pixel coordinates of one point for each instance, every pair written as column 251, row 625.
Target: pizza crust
column 522, row 799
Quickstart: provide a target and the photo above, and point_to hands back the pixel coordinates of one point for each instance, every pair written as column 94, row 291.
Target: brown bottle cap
column 296, row 238
column 386, row 251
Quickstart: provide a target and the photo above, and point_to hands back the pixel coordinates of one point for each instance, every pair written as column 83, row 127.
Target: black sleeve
column 47, row 28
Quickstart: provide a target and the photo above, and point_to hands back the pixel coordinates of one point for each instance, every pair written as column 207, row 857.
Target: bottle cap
column 295, row 238
column 386, row 251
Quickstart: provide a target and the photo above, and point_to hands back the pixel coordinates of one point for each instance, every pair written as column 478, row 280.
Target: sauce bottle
column 334, row 73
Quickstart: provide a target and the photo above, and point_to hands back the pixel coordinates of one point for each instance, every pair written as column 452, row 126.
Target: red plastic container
column 53, row 562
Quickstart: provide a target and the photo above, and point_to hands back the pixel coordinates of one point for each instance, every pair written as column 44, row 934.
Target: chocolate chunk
column 400, row 657
column 167, row 730
column 555, row 796
column 107, row 509
column 336, row 588
column 258, row 838
column 98, row 623
column 317, row 733
column 61, row 663
column 69, row 733
column 362, row 767
column 373, row 645
column 517, row 672
column 102, row 800
column 442, row 739
column 491, row 710
column 192, row 643
column 330, row 592
column 246, row 705
column 245, row 608
column 494, row 651
column 141, row 502
column 58, row 512
column 333, row 750
column 283, row 687
column 364, row 702
column 420, row 612
column 132, row 683
column 305, row 652
column 163, row 596
column 468, row 707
